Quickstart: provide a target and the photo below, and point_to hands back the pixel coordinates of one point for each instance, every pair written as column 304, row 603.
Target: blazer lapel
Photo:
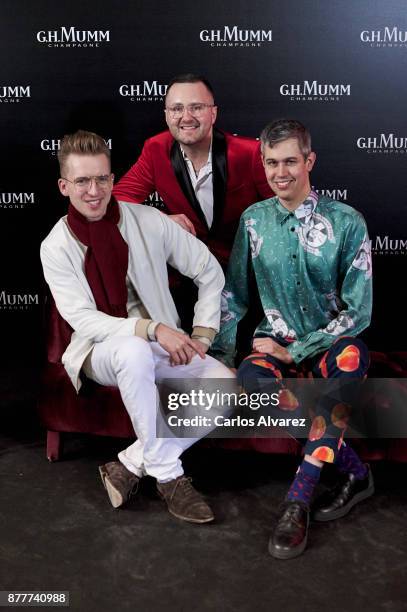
column 181, row 172
column 219, row 175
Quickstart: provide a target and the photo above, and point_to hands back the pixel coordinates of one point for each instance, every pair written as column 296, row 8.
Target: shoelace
column 291, row 513
column 186, row 483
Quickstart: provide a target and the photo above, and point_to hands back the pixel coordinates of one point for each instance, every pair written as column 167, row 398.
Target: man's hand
column 180, row 347
column 184, row 222
column 200, row 346
column 269, row 346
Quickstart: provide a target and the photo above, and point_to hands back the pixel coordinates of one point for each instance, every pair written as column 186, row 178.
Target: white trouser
column 134, row 366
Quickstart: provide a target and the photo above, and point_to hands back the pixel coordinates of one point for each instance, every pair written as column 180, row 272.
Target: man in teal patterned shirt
column 310, row 258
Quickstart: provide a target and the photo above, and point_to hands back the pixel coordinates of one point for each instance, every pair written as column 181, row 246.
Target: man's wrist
column 151, row 331
column 202, row 339
column 205, row 335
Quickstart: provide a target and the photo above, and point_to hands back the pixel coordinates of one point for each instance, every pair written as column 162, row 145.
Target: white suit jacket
column 154, row 240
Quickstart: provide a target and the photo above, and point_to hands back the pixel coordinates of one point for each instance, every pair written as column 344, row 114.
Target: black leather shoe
column 289, row 538
column 337, row 502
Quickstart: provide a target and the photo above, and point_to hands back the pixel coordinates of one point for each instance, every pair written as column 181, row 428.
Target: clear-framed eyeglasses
column 196, row 110
column 82, row 183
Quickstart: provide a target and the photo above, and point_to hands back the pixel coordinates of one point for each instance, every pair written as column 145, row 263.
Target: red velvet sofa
column 99, row 410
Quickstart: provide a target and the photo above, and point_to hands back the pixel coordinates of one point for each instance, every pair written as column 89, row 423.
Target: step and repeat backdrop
column 339, row 66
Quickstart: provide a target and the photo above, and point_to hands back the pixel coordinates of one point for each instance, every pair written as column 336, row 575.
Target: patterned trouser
column 348, row 358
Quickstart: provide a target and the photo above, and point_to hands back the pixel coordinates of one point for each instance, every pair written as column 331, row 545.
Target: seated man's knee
column 257, row 368
column 260, row 365
column 349, row 356
column 132, row 352
column 212, row 368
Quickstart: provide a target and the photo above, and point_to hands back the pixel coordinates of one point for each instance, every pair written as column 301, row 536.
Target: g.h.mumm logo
column 386, row 37
column 14, row 93
column 17, row 301
column 71, row 37
column 52, row 145
column 313, row 91
column 232, row 36
column 155, row 200
column 16, row 200
column 147, row 91
column 384, row 143
column 385, row 245
column 340, row 195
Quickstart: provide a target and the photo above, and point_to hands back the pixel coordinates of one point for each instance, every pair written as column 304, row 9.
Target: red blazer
column 238, row 175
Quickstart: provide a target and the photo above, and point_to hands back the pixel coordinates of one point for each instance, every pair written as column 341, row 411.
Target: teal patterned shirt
column 313, row 271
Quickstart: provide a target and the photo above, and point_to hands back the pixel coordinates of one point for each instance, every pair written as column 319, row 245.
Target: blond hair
column 81, row 143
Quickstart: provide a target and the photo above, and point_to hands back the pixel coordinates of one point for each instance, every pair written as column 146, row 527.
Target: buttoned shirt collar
column 303, row 212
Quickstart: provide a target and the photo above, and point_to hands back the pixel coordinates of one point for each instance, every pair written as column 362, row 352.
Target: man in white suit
column 106, row 265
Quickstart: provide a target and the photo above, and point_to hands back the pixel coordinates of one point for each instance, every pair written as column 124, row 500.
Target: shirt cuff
column 151, row 331
column 297, row 351
column 199, row 332
column 202, row 339
column 145, row 328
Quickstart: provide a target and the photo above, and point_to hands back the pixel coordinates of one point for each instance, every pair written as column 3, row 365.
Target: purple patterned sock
column 347, row 462
column 304, row 483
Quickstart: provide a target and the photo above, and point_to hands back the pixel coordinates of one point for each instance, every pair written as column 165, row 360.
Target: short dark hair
column 283, row 129
column 189, row 77
column 81, row 143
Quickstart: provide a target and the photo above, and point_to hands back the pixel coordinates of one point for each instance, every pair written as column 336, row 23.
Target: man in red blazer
column 205, row 177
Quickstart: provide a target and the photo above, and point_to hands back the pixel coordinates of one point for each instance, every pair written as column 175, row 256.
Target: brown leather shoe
column 184, row 501
column 119, row 482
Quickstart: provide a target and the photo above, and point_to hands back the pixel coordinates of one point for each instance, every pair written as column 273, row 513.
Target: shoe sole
column 336, row 514
column 192, row 520
column 289, row 554
column 115, row 496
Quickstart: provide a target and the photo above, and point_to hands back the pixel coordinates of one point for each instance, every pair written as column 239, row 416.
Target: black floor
column 59, row 532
